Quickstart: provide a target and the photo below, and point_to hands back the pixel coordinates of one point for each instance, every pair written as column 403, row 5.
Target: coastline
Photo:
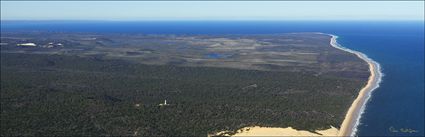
column 352, row 118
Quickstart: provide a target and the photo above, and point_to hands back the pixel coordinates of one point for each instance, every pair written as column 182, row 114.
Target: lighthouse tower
column 164, row 104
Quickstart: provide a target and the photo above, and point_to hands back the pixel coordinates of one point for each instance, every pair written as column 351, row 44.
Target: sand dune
column 274, row 131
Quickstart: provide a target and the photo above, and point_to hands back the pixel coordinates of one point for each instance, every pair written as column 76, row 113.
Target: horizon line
column 147, row 20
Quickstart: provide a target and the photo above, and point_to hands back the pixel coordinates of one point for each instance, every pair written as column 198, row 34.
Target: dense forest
column 62, row 95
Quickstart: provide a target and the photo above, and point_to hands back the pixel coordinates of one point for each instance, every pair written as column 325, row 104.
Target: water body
column 395, row 108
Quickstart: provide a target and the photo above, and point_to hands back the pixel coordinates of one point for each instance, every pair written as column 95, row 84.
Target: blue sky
column 212, row 10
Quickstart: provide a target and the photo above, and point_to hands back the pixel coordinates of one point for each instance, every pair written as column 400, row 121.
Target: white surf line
column 352, row 118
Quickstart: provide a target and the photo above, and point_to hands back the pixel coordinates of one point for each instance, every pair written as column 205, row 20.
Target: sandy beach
column 351, row 120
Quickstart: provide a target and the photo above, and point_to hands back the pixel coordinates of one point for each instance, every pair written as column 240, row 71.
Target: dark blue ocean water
column 398, row 104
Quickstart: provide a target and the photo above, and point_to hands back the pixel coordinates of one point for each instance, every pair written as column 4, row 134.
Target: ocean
column 395, row 108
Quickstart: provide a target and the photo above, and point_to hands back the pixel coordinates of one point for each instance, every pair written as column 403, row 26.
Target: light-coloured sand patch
column 275, row 131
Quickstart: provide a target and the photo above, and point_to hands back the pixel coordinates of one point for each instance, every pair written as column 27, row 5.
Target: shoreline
column 352, row 118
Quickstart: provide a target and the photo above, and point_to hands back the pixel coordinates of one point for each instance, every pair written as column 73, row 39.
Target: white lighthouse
column 164, row 104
